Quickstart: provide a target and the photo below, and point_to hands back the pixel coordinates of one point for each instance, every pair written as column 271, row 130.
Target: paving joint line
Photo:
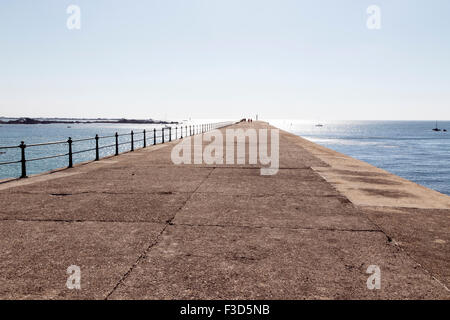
column 274, row 227
column 147, row 250
column 77, row 220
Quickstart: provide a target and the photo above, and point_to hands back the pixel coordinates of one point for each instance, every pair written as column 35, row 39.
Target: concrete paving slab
column 248, row 263
column 276, row 211
column 267, row 185
column 150, row 207
column 305, row 174
column 34, row 257
column 120, row 181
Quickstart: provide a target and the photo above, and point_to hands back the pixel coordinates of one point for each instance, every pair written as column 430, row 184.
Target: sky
column 227, row 59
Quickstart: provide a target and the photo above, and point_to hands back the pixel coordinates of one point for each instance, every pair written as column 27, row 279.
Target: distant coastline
column 26, row 120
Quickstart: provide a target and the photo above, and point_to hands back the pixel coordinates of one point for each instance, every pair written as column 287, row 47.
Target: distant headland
column 74, row 121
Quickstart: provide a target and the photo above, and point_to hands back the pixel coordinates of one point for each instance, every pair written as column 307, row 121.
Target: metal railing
column 166, row 135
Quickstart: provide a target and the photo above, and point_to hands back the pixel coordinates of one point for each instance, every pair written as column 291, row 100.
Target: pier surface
column 141, row 227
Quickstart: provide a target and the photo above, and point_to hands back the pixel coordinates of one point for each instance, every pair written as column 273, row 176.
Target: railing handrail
column 189, row 130
column 9, row 147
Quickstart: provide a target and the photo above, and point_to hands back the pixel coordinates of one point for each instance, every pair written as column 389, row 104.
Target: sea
column 13, row 134
column 409, row 149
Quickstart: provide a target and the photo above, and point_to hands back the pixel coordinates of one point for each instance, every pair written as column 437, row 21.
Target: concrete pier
column 141, row 227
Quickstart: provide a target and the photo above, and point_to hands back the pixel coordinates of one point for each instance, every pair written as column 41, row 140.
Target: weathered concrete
column 141, row 227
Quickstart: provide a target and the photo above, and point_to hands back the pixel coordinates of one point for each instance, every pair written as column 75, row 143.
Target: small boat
column 436, row 128
column 319, row 125
column 445, row 130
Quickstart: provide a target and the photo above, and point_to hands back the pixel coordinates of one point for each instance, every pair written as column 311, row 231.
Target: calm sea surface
column 12, row 134
column 409, row 149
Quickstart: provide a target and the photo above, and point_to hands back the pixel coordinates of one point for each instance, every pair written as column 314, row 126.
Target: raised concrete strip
column 141, row 227
column 366, row 185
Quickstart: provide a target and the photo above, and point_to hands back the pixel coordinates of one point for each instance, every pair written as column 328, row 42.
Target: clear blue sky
column 226, row 59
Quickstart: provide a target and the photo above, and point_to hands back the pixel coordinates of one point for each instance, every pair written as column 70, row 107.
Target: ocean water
column 13, row 134
column 409, row 149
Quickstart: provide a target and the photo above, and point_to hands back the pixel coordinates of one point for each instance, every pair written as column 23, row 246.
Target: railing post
column 145, row 139
column 24, row 167
column 154, row 136
column 96, row 148
column 176, row 133
column 117, row 144
column 170, row 134
column 181, row 132
column 162, row 134
column 132, row 140
column 70, row 152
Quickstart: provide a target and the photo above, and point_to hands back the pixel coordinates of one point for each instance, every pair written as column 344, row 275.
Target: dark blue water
column 409, row 149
